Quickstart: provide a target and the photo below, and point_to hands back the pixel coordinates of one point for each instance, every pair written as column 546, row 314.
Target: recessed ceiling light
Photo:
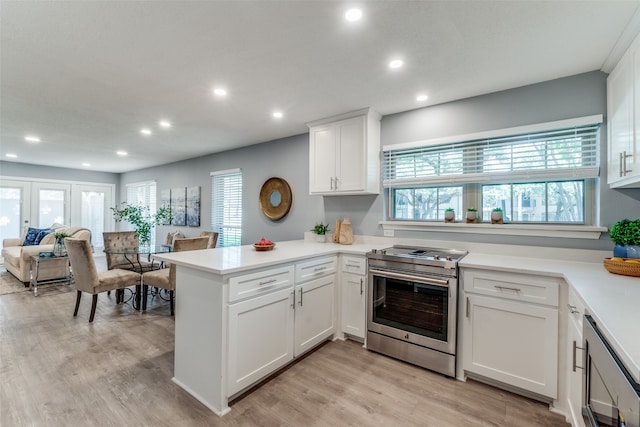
column 32, row 138
column 278, row 114
column 12, row 156
column 86, row 165
column 421, row 98
column 353, row 15
column 396, row 63
column 164, row 124
column 122, row 153
column 220, row 91
column 145, row 131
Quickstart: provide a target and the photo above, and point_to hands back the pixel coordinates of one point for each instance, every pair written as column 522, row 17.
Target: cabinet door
column 260, row 337
column 322, row 159
column 573, row 365
column 353, row 304
column 512, row 342
column 314, row 313
column 351, row 154
column 620, row 112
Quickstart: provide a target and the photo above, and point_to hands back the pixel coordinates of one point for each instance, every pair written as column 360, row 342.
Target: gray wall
column 286, row 158
column 570, row 97
column 25, row 170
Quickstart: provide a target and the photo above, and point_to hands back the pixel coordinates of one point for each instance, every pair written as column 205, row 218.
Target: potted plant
column 472, row 214
column 449, row 215
column 496, row 215
column 59, row 249
column 626, row 236
column 142, row 220
column 320, row 230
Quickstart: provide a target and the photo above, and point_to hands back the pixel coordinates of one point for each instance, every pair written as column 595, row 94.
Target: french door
column 40, row 204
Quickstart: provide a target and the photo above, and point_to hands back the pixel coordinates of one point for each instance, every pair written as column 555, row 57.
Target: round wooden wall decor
column 275, row 198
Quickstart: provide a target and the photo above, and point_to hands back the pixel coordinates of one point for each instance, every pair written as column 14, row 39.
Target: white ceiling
column 86, row 76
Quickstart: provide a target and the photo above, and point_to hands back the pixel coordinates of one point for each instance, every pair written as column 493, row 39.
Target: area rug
column 9, row 284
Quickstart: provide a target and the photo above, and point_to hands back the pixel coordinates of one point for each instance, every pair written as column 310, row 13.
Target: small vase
column 59, row 249
column 496, row 216
column 633, row 251
column 471, row 215
column 449, row 215
column 321, row 238
column 620, row 251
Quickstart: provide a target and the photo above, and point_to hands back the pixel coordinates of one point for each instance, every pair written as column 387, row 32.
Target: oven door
column 414, row 308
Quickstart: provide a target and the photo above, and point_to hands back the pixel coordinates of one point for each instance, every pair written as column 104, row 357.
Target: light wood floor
column 57, row 370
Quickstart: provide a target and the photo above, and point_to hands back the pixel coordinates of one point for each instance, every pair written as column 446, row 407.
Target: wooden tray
column 622, row 267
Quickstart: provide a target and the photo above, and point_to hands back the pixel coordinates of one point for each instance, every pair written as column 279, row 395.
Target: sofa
column 17, row 258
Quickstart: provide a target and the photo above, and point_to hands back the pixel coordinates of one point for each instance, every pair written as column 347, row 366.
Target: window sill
column 532, row 230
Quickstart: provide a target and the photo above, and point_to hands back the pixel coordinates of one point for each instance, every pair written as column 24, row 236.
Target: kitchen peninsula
column 210, row 281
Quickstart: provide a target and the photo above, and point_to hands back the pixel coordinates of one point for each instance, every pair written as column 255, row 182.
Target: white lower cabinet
column 314, row 316
column 271, row 320
column 506, row 337
column 353, row 304
column 574, row 363
column 260, row 337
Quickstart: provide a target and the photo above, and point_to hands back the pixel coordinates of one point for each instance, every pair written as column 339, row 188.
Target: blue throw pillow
column 35, row 235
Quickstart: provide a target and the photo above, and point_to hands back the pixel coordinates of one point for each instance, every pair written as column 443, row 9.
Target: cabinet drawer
column 519, row 287
column 354, row 264
column 249, row 285
column 315, row 268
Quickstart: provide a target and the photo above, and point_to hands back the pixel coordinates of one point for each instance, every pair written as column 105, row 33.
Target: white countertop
column 613, row 300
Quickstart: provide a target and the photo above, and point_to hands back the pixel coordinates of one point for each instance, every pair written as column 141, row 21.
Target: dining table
column 141, row 260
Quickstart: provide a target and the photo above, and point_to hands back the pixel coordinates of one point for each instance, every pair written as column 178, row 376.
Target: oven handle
column 419, row 279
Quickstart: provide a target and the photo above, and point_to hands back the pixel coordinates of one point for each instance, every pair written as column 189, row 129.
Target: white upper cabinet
column 344, row 154
column 623, row 111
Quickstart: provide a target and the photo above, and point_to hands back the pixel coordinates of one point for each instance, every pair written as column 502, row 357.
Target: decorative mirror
column 275, row 198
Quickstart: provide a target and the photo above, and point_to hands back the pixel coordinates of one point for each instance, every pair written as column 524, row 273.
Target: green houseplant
column 496, row 215
column 59, row 249
column 626, row 236
column 142, row 219
column 320, row 230
column 472, row 214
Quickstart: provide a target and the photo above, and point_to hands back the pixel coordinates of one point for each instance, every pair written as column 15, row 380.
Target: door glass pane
column 92, row 215
column 10, row 212
column 51, row 207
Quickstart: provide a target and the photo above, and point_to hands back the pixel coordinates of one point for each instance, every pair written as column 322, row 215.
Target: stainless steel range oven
column 412, row 307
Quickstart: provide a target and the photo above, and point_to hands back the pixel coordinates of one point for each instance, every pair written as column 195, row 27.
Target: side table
column 47, row 270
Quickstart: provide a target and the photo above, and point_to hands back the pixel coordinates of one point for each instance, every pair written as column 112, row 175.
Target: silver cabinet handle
column 572, row 309
column 319, row 268
column 300, row 297
column 332, row 182
column 506, row 288
column 621, row 161
column 352, row 265
column 361, row 290
column 575, row 348
column 467, row 307
column 267, row 282
column 626, row 156
column 293, row 299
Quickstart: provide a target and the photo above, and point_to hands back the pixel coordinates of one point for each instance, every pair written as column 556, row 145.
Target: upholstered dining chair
column 213, row 238
column 123, row 240
column 86, row 276
column 165, row 278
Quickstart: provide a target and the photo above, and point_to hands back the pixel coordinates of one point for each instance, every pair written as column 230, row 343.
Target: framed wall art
column 179, row 205
column 165, row 201
column 193, row 206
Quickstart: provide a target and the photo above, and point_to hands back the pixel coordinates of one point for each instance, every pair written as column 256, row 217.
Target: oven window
column 410, row 306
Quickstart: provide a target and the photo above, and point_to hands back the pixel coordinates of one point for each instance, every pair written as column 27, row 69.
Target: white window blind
column 144, row 194
column 550, row 155
column 226, row 209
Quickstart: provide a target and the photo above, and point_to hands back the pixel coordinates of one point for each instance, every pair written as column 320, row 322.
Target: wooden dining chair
column 213, row 238
column 86, row 276
column 165, row 278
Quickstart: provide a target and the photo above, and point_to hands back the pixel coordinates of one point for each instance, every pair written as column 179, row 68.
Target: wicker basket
column 622, row 267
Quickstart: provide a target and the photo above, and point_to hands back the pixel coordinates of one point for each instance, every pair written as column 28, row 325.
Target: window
column 536, row 174
column 143, row 193
column 226, row 206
